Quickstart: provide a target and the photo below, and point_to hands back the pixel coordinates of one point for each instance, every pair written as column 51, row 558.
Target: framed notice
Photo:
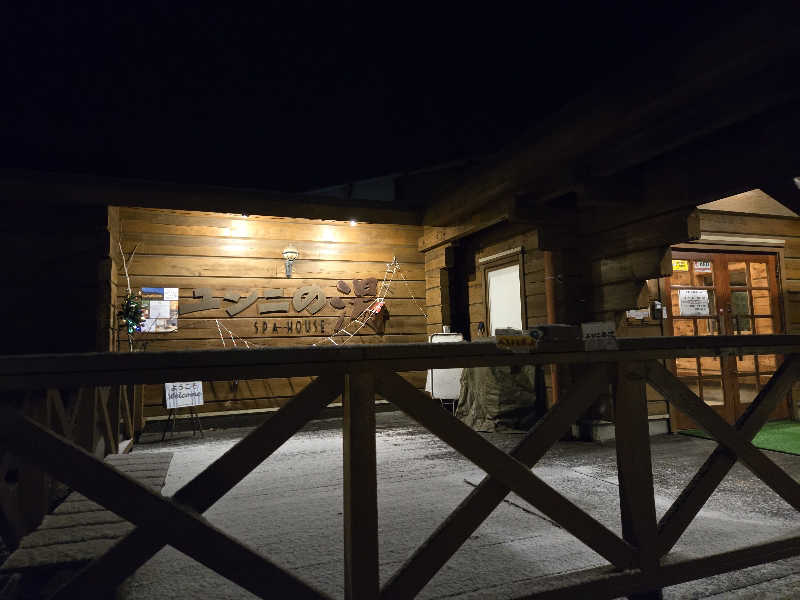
column 183, row 393
column 159, row 310
column 693, row 303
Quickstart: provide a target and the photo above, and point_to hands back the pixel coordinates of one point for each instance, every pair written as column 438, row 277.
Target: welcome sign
column 183, row 393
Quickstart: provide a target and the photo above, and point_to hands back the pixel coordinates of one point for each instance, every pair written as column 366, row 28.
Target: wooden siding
column 441, row 276
column 233, row 253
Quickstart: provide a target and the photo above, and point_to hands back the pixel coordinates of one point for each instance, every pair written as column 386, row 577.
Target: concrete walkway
column 290, row 509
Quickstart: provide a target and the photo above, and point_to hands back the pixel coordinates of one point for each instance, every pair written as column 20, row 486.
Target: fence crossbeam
column 692, row 499
column 507, row 469
column 432, row 555
column 676, row 392
column 199, row 494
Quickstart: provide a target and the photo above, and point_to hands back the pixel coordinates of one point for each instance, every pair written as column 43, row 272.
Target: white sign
column 170, row 293
column 638, row 313
column 184, row 393
column 702, row 266
column 444, row 384
column 599, row 335
column 159, row 309
column 693, row 303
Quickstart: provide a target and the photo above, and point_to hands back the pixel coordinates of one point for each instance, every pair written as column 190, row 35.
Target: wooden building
column 740, row 252
column 589, row 211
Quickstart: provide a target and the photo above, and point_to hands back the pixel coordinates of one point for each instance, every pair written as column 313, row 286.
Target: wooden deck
column 80, row 530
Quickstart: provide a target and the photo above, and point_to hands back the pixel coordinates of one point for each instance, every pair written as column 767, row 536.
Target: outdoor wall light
column 290, row 253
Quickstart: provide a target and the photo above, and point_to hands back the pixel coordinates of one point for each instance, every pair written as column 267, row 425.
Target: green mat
column 781, row 436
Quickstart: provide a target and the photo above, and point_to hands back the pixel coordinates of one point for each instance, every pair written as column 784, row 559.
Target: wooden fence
column 639, row 560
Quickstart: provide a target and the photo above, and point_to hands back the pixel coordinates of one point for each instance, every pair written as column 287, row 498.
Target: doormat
column 781, row 436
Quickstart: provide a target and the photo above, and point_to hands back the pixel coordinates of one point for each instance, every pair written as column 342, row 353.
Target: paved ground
column 290, row 509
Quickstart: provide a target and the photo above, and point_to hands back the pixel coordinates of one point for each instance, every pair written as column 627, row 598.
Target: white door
column 505, row 309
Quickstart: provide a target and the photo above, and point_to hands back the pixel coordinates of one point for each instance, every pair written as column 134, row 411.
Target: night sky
column 298, row 95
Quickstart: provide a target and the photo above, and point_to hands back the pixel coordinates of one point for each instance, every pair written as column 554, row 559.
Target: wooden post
column 634, row 466
column 360, row 487
column 85, row 431
column 115, row 413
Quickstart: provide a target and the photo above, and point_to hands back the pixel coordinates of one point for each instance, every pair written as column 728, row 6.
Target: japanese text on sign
column 693, row 303
column 599, row 335
column 183, row 393
column 680, row 265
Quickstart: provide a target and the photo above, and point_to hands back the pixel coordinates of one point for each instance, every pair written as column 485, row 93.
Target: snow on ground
column 290, row 509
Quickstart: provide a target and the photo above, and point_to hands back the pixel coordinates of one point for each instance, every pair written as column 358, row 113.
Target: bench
column 78, row 531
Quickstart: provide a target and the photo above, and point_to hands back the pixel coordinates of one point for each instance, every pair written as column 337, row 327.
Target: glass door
column 753, row 308
column 724, row 294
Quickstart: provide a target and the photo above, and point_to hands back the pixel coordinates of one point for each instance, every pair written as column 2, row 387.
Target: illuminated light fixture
column 290, row 253
column 353, row 223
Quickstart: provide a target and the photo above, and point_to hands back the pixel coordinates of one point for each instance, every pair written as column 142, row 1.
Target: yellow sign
column 680, row 265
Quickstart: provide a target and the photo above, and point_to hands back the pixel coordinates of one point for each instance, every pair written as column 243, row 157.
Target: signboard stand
column 179, row 395
column 170, row 426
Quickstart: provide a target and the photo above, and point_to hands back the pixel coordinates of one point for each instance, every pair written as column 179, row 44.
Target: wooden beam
column 132, row 551
column 434, row 236
column 677, row 393
column 360, row 488
column 635, row 469
column 604, row 583
column 432, row 555
column 24, row 186
column 64, row 370
column 716, row 467
column 506, row 469
column 103, row 399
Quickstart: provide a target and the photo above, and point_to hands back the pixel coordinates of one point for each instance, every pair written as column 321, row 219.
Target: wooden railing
column 98, row 419
column 639, row 560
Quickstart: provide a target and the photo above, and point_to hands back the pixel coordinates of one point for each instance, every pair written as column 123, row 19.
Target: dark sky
column 298, row 95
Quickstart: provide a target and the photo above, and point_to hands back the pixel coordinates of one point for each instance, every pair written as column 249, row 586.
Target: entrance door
column 504, row 297
column 728, row 294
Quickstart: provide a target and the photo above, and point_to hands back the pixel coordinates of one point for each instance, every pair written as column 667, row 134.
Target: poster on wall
column 159, row 310
column 183, row 393
column 693, row 303
column 680, row 265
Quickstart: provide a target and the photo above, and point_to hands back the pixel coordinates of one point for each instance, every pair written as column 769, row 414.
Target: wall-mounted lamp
column 290, row 253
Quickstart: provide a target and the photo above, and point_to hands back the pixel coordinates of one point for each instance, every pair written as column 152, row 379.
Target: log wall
column 230, row 253
column 57, row 278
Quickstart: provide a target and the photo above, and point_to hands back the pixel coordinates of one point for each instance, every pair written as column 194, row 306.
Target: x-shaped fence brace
column 638, row 560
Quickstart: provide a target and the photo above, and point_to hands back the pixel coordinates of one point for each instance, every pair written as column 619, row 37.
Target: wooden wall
column 232, row 253
column 56, row 279
column 453, row 265
column 57, row 294
column 493, row 241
